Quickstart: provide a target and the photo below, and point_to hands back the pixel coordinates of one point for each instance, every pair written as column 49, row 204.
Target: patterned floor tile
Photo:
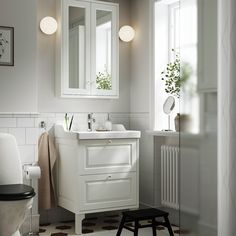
column 63, row 227
column 111, row 221
column 109, row 227
column 59, row 234
column 87, row 231
column 88, row 224
column 105, row 225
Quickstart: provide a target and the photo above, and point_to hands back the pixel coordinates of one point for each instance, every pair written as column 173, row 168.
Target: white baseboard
column 26, row 225
column 207, row 229
column 142, row 205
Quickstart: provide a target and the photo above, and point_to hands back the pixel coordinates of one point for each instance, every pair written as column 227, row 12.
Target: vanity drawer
column 107, row 156
column 107, row 191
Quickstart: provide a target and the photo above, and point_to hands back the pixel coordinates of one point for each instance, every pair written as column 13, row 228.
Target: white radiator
column 170, row 176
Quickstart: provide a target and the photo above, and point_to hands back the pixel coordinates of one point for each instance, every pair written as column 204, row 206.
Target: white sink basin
column 60, row 132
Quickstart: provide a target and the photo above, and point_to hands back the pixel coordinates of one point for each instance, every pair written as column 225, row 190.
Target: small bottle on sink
column 108, row 123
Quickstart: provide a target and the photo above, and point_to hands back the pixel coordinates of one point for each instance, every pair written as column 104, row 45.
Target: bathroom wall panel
column 140, row 57
column 6, row 122
column 140, row 121
column 25, row 122
column 141, row 51
column 18, row 83
column 21, row 126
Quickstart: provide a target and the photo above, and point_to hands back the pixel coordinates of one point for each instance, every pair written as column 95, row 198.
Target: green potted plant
column 176, row 76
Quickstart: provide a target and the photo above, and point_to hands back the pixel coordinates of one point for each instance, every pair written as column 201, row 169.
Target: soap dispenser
column 108, row 124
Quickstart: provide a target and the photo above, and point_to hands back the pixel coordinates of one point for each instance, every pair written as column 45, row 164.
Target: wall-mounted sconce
column 48, row 25
column 126, row 33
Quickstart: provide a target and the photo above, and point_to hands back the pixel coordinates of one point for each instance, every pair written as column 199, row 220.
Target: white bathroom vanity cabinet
column 97, row 171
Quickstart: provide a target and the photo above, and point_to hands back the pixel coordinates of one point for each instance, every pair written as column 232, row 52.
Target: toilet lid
column 15, row 192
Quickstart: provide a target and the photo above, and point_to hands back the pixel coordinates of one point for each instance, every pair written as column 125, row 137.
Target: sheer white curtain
column 227, row 118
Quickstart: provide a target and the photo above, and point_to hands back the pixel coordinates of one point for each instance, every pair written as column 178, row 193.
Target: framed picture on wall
column 6, row 46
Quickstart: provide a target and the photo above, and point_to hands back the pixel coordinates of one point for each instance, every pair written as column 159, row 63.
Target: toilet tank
column 10, row 162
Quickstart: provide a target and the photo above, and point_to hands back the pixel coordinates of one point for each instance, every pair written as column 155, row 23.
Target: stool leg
column 154, row 232
column 168, row 225
column 121, row 226
column 136, row 228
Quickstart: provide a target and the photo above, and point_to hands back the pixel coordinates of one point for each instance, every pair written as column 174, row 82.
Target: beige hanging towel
column 47, row 158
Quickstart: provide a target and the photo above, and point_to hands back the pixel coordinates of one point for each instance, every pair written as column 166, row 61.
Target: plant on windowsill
column 176, row 76
column 103, row 80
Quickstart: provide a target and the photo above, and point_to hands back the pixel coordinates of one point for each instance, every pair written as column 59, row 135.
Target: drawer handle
column 109, row 141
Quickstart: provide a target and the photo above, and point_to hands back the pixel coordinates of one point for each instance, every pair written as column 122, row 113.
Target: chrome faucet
column 91, row 120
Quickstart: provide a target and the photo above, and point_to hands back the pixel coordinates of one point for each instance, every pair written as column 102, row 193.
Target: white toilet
column 15, row 198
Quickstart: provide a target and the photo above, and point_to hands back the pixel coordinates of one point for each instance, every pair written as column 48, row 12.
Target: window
column 176, row 34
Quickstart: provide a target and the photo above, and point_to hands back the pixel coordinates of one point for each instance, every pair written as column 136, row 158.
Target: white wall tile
column 5, row 115
column 38, row 120
column 51, row 121
column 140, row 121
column 7, row 122
column 19, row 134
column 47, row 114
column 3, row 130
column 25, row 122
column 32, row 135
column 36, row 153
column 27, row 153
column 22, row 115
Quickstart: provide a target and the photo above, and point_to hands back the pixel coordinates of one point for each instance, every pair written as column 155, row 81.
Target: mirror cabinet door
column 76, row 26
column 104, row 50
column 78, row 47
column 88, row 49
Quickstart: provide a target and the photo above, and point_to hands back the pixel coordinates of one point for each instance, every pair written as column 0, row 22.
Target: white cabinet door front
column 109, row 156
column 107, row 191
column 105, row 51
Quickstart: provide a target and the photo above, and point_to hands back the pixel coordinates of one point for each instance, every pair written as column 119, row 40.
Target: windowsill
column 163, row 133
column 173, row 134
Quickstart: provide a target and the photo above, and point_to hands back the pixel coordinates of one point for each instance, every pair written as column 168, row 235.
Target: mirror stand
column 168, row 125
column 168, row 107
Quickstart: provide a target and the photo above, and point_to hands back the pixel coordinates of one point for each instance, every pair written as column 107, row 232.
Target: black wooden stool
column 144, row 214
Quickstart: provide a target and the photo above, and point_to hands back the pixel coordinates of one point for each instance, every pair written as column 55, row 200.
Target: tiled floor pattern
column 99, row 226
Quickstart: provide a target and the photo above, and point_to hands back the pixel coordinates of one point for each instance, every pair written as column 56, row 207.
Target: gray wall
column 18, row 88
column 140, row 95
column 140, row 57
column 29, row 85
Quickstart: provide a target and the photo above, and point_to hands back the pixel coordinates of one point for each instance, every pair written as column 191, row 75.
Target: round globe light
column 126, row 33
column 48, row 25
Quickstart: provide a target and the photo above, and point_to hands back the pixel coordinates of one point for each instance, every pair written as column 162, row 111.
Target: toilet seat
column 15, row 192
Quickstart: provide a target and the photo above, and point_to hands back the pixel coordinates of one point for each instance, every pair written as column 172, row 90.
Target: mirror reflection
column 103, row 50
column 77, row 78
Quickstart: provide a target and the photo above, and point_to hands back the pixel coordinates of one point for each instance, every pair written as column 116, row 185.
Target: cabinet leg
column 78, row 223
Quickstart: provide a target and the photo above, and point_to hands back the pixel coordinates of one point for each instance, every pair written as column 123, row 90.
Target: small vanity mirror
column 77, row 78
column 168, row 107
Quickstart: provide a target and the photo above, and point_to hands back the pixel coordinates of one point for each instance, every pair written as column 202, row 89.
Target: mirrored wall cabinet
column 87, row 49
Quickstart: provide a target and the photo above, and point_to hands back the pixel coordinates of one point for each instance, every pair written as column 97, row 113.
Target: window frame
column 153, row 82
